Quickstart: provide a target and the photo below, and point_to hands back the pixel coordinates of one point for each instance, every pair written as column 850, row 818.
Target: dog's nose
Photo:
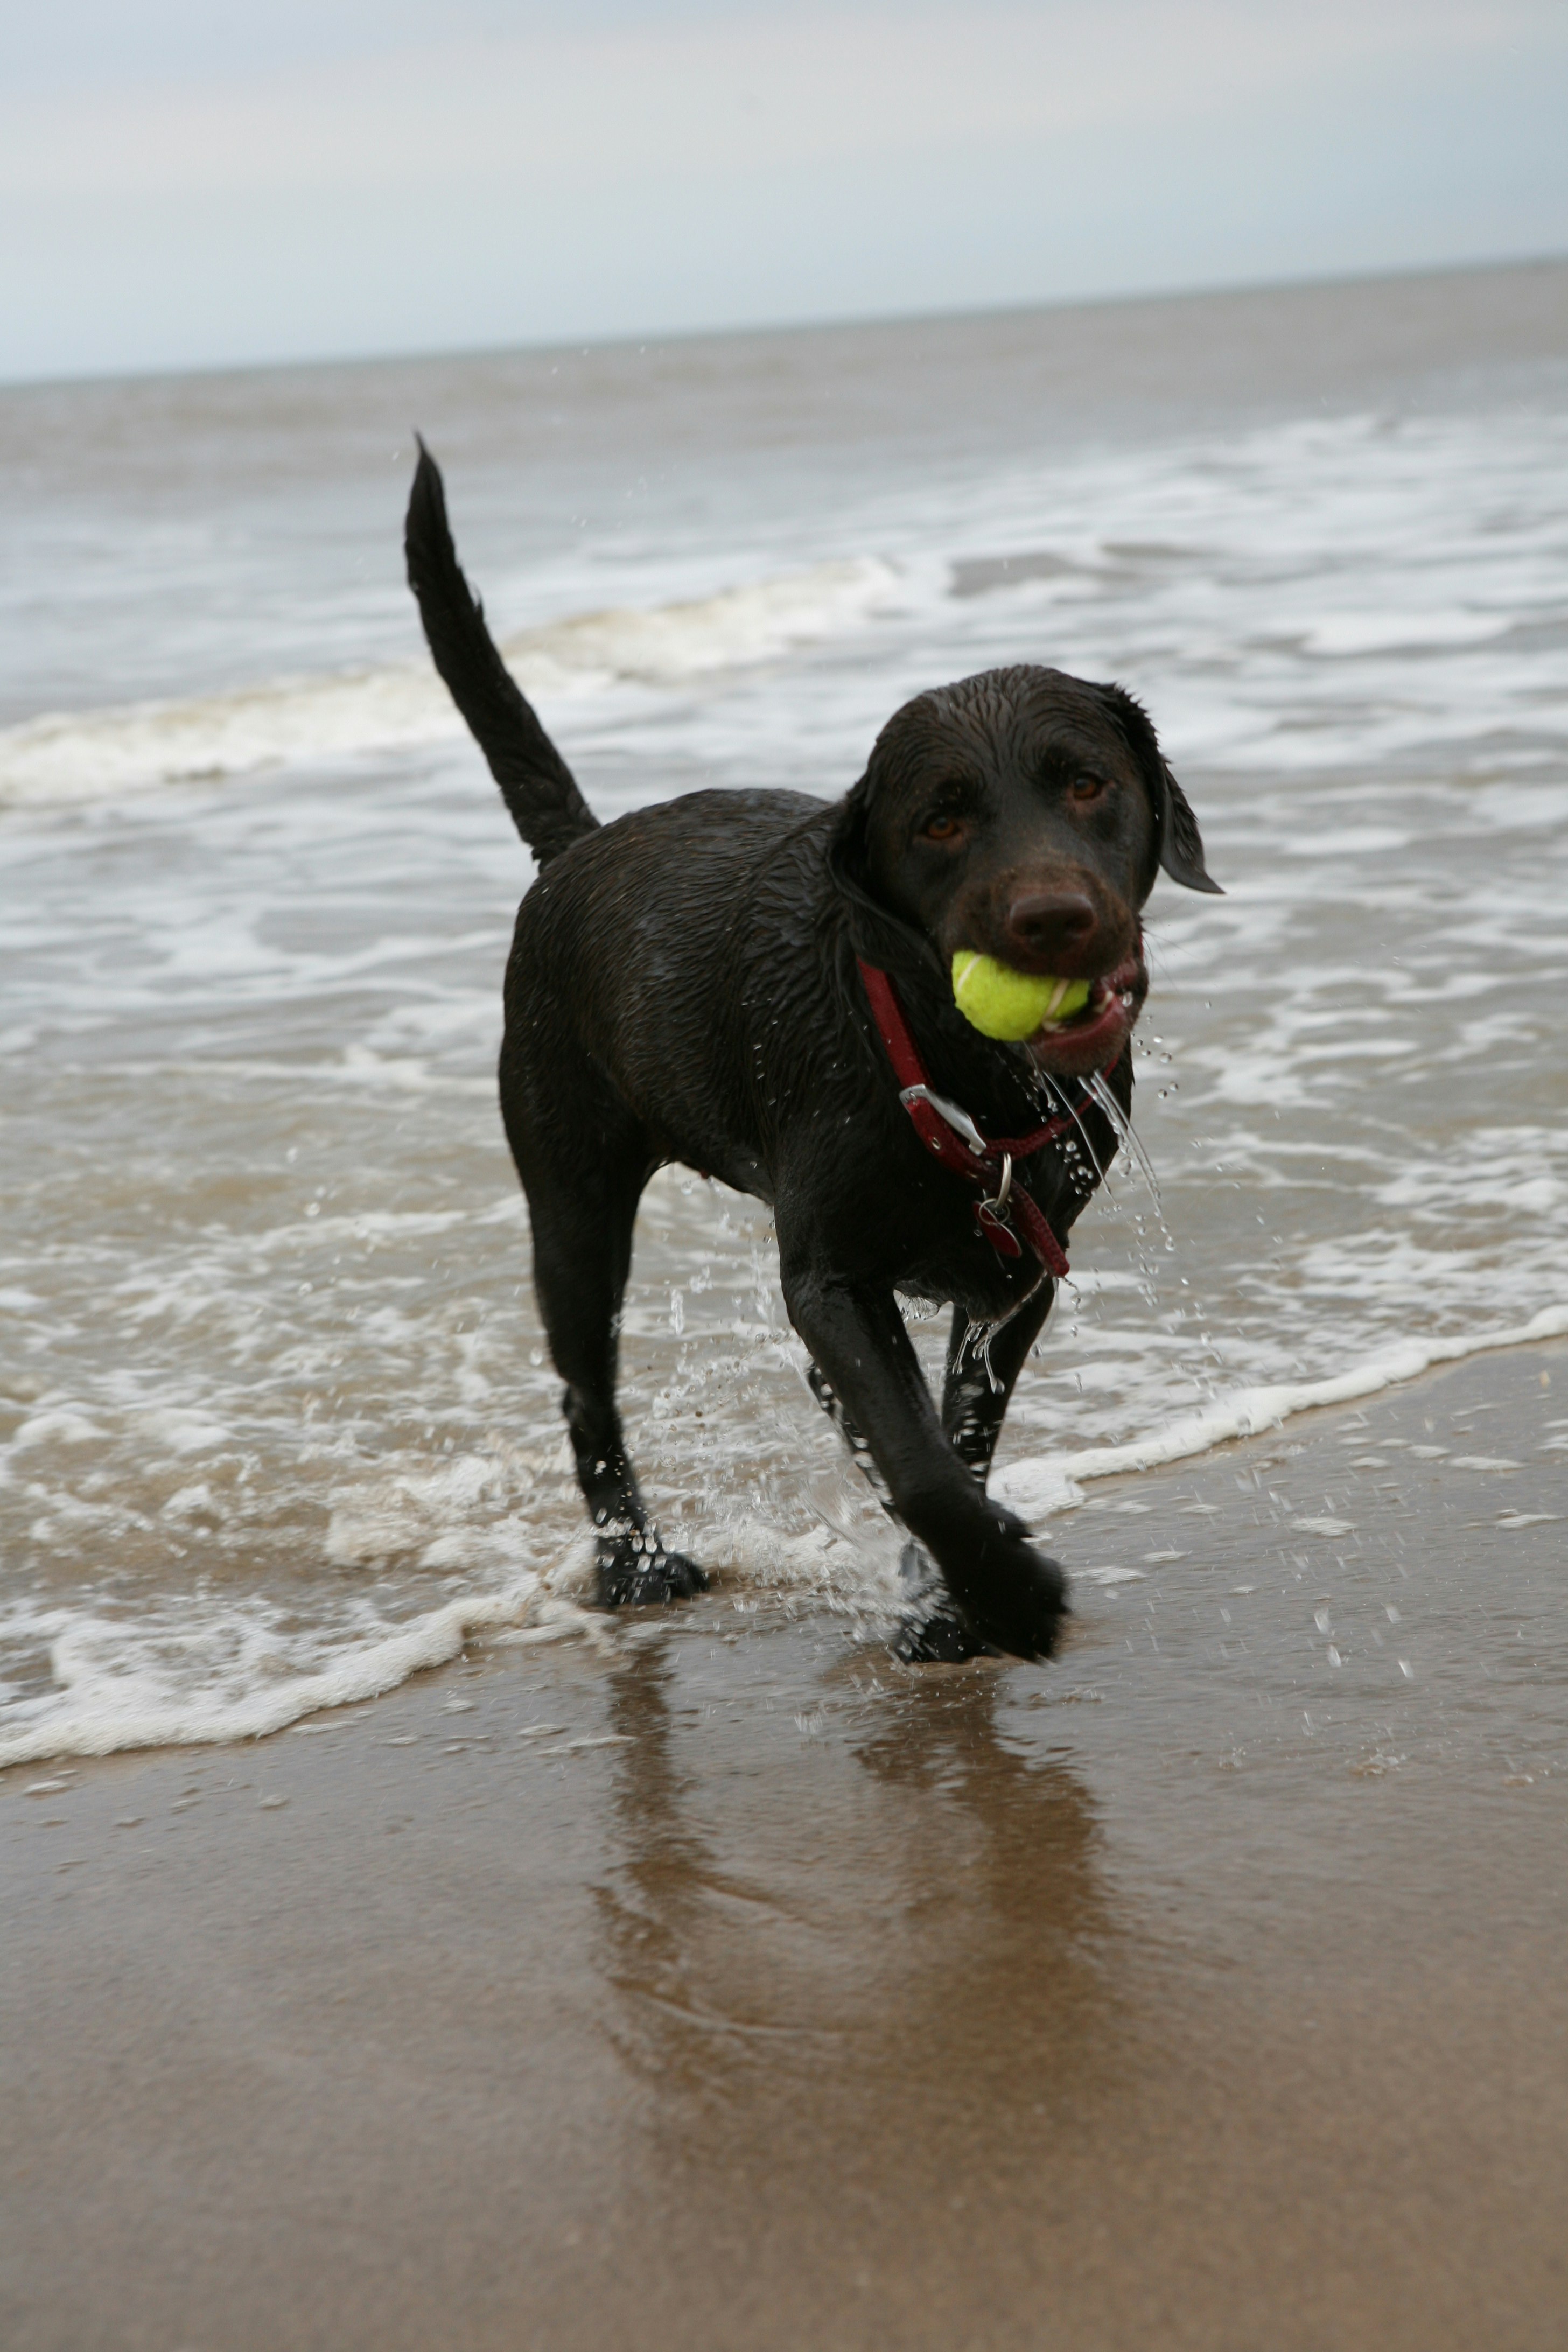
column 1051, row 925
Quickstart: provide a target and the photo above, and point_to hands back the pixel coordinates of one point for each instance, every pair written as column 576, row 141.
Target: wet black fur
column 682, row 986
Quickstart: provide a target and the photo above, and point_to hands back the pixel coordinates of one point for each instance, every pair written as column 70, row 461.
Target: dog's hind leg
column 582, row 1257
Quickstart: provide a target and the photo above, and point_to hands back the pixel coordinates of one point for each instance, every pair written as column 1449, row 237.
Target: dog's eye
column 942, row 828
column 1086, row 788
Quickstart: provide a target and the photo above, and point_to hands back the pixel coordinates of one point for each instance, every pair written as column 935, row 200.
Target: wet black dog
column 748, row 983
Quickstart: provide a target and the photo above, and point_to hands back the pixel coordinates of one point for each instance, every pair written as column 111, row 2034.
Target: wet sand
column 1204, row 1989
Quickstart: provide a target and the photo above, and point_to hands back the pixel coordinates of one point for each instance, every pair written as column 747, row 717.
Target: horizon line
column 824, row 323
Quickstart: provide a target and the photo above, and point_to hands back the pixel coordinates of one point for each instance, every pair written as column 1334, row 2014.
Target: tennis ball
column 1009, row 1005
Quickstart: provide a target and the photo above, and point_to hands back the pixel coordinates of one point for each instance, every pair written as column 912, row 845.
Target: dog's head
column 1025, row 814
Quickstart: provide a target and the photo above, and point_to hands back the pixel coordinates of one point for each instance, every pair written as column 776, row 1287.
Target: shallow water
column 277, row 1424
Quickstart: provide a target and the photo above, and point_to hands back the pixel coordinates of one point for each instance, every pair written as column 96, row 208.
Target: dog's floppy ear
column 1180, row 844
column 846, row 848
column 878, row 931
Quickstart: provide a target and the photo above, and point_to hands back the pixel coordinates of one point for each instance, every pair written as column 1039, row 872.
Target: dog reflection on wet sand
column 901, row 1906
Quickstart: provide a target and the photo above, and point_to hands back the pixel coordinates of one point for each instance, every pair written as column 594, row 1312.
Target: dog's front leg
column 983, row 1367
column 982, row 1373
column 1006, row 1592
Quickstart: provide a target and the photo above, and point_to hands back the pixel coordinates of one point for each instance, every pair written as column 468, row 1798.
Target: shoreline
column 728, row 1985
column 1042, row 1488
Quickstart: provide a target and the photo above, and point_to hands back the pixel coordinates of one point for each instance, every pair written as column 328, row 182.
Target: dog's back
column 633, row 957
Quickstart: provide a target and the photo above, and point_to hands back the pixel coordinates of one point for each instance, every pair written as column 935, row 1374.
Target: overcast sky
column 184, row 183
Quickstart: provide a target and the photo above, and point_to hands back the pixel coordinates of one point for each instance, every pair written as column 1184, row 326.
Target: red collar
column 953, row 1137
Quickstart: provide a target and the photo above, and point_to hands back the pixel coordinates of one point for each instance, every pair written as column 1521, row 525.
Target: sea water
column 276, row 1423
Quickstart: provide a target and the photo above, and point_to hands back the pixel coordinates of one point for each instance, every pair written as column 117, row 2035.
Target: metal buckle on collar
column 959, row 1120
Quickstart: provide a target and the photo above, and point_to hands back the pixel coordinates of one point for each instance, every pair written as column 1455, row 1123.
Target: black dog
column 758, row 985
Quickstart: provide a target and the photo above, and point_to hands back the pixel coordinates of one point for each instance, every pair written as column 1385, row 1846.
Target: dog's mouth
column 1094, row 1036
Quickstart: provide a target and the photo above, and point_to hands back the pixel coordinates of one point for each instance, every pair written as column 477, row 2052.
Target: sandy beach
column 726, row 1986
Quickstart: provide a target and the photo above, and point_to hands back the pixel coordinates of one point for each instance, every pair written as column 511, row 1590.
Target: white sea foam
column 223, row 1673
column 112, row 1690
column 1050, row 1483
column 79, row 756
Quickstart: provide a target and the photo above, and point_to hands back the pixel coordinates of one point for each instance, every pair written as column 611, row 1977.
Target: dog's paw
column 934, row 1632
column 939, row 1637
column 632, row 1578
column 1020, row 1608
column 1010, row 1597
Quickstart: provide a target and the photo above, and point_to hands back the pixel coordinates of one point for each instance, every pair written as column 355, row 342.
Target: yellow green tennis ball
column 1007, row 1004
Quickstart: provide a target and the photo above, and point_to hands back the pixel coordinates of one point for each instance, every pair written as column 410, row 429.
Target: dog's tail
column 535, row 783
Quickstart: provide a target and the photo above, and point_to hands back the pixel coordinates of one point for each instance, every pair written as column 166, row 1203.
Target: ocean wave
column 1045, row 1484
column 212, row 1673
column 107, row 1699
column 66, row 757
